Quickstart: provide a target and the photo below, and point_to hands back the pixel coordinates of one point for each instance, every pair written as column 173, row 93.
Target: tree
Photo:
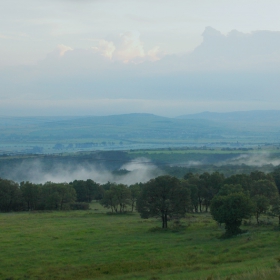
column 163, row 197
column 117, row 198
column 276, row 209
column 276, row 176
column 57, row 196
column 263, row 194
column 122, row 195
column 86, row 190
column 212, row 184
column 242, row 179
column 134, row 194
column 261, row 205
column 109, row 200
column 31, row 194
column 259, row 175
column 196, row 186
column 231, row 209
column 10, row 196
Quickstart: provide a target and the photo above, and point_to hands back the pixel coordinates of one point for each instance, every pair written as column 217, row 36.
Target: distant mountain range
column 271, row 117
column 134, row 131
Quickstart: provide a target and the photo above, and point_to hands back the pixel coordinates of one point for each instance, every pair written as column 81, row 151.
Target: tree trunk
column 162, row 218
column 165, row 220
column 200, row 202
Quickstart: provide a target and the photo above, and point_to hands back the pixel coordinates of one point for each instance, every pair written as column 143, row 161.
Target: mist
column 258, row 160
column 138, row 170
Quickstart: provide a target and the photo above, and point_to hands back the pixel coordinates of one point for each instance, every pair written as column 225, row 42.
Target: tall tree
column 163, row 197
column 10, row 196
column 31, row 194
column 134, row 194
column 230, row 207
column 263, row 194
column 117, row 198
column 86, row 190
column 57, row 196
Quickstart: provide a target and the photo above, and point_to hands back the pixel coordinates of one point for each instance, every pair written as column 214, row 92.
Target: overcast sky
column 102, row 57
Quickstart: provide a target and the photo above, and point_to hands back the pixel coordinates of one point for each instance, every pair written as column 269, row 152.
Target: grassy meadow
column 95, row 245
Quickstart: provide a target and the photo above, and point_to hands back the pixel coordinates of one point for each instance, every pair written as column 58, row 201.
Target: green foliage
column 227, row 189
column 134, row 194
column 231, row 209
column 87, row 190
column 261, row 205
column 240, row 179
column 57, row 196
column 263, row 193
column 117, row 198
column 31, row 194
column 275, row 210
column 10, row 196
column 163, row 197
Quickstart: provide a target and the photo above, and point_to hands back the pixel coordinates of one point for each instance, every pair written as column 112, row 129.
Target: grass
column 94, row 245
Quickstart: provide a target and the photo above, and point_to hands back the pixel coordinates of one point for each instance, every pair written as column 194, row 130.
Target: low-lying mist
column 126, row 171
column 138, row 170
column 255, row 160
column 258, row 160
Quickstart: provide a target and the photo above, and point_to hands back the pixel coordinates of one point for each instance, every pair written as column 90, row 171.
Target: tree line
column 76, row 195
column 229, row 199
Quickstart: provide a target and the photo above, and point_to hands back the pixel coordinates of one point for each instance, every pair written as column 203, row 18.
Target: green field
column 94, row 245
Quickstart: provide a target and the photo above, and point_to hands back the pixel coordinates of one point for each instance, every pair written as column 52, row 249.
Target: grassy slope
column 93, row 245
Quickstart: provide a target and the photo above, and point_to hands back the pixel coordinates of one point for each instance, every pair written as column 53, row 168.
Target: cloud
column 59, row 51
column 105, row 48
column 63, row 49
column 127, row 48
column 236, row 50
column 236, row 71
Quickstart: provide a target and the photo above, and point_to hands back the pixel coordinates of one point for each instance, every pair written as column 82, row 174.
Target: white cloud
column 236, row 71
column 154, row 54
column 131, row 49
column 105, row 48
column 63, row 49
column 127, row 48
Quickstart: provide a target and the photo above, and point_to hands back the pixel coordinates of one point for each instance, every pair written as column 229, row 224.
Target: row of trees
column 229, row 199
column 29, row 196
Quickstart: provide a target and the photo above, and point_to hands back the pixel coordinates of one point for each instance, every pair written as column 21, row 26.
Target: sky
column 169, row 58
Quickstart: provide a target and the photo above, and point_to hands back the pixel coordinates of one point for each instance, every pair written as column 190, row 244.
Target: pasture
column 95, row 245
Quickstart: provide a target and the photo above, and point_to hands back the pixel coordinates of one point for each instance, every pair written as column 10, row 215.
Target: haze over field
column 91, row 57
